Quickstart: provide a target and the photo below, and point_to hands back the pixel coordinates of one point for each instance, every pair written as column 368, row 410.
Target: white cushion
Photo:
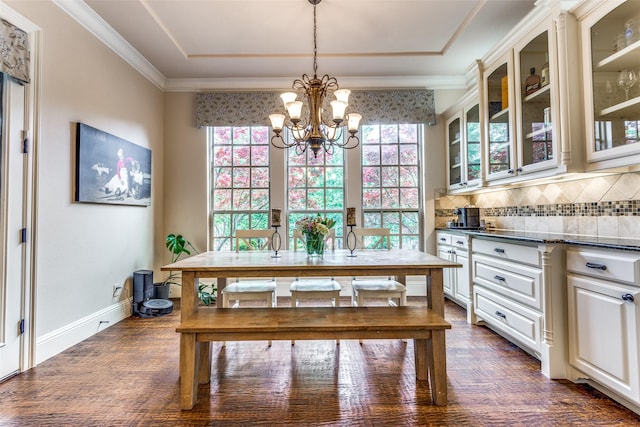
column 251, row 286
column 313, row 285
column 378, row 285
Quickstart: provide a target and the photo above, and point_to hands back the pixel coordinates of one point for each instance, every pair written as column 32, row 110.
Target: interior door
column 12, row 259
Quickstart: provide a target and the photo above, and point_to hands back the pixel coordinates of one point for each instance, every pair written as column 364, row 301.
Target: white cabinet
column 604, row 318
column 610, row 32
column 454, row 247
column 464, row 144
column 534, row 130
column 519, row 291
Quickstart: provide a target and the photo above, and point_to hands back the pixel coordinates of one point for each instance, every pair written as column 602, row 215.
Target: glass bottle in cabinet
column 534, row 124
column 612, row 80
column 500, row 155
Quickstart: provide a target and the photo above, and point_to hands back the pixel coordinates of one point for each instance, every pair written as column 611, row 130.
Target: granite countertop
column 557, row 238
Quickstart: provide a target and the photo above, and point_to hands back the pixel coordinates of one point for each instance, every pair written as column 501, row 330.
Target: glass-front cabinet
column 464, row 145
column 611, row 53
column 473, row 145
column 500, row 153
column 535, row 97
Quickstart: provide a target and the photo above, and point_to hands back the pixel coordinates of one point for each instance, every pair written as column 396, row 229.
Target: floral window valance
column 376, row 107
column 14, row 51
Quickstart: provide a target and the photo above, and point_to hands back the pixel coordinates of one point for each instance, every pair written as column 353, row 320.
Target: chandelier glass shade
column 313, row 131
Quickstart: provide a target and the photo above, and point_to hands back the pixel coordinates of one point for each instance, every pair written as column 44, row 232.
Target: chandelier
column 313, row 131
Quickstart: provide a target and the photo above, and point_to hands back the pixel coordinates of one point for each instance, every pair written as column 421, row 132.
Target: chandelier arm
column 283, row 143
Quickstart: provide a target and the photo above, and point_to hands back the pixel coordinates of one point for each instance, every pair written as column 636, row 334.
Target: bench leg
column 421, row 355
column 438, row 367
column 204, row 362
column 188, row 370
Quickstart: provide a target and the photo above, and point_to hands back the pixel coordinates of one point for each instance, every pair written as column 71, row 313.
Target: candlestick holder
column 351, row 241
column 276, row 242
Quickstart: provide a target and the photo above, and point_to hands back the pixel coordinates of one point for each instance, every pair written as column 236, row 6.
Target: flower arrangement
column 315, row 229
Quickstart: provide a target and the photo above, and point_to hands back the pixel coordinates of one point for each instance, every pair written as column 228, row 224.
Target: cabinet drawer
column 522, row 324
column 617, row 266
column 459, row 242
column 443, row 238
column 507, row 251
column 519, row 282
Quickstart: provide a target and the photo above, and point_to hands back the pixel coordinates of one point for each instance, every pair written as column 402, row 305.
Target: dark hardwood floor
column 127, row 375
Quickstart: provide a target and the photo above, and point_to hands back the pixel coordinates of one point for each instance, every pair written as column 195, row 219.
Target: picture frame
column 111, row 170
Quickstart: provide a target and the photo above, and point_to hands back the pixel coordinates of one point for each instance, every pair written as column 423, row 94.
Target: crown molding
column 93, row 23
column 428, row 82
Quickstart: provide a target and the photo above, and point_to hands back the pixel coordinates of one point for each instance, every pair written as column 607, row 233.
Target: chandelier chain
column 315, row 44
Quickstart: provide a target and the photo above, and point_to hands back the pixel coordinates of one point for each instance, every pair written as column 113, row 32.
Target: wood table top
column 369, row 262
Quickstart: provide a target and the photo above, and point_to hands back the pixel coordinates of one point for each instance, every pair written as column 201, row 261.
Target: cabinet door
column 448, row 275
column 603, row 333
column 472, row 146
column 500, row 152
column 612, row 99
column 454, row 153
column 463, row 278
column 537, row 146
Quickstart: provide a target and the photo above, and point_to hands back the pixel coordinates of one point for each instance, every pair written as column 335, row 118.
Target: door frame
column 30, row 184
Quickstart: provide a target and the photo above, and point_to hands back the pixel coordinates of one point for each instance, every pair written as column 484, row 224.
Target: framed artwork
column 110, row 169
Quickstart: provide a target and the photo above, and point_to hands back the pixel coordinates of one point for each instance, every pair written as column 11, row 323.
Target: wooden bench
column 424, row 326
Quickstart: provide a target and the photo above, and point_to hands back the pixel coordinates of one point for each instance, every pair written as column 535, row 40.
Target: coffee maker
column 467, row 218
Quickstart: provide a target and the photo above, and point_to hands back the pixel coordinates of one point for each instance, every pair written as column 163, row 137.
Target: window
column 240, row 181
column 381, row 177
column 316, row 186
column 391, row 181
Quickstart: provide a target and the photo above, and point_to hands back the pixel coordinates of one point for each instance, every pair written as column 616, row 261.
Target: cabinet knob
column 596, row 266
column 500, row 278
column 501, row 314
column 519, row 170
column 510, row 171
column 627, row 297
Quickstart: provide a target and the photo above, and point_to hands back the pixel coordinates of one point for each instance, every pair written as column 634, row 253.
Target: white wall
column 83, row 249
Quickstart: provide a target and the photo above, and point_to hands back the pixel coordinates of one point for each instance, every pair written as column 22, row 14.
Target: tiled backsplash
column 607, row 205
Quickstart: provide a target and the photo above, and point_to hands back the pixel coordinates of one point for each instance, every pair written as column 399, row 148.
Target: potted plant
column 179, row 246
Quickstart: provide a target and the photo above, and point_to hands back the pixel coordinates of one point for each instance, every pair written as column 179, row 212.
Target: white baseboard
column 59, row 340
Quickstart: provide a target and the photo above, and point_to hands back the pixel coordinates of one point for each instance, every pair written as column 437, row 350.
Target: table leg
column 435, row 291
column 221, row 283
column 438, row 367
column 188, row 370
column 189, row 299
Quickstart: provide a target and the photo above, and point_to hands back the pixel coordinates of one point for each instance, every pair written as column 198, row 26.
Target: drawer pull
column 442, row 239
column 627, row 297
column 498, row 250
column 501, row 314
column 500, row 278
column 460, row 242
column 596, row 266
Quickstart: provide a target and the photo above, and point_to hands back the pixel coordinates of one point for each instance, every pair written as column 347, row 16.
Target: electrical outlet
column 117, row 290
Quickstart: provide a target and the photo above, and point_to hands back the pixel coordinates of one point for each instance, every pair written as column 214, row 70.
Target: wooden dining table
column 222, row 265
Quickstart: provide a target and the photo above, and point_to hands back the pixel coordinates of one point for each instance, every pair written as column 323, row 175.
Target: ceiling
column 267, row 43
